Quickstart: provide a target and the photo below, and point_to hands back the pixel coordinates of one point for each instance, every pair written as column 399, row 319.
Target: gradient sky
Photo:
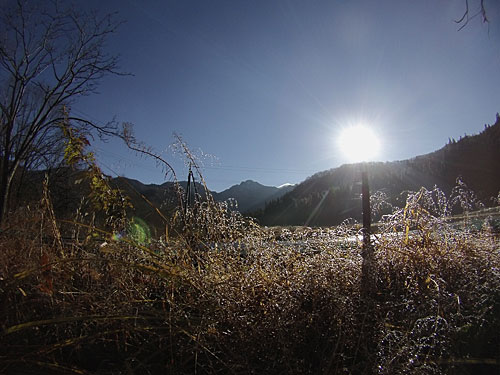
column 261, row 89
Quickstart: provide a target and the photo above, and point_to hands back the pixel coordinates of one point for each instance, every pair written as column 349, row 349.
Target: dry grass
column 226, row 296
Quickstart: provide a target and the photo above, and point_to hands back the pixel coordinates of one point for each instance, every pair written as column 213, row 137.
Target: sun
column 358, row 143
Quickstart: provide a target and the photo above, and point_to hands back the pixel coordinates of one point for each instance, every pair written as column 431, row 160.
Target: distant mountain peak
column 251, row 195
column 286, row 184
column 249, row 182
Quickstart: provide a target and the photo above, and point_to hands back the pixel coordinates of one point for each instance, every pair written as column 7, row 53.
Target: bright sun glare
column 359, row 143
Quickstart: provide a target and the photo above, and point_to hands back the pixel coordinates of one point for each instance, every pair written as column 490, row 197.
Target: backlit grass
column 226, row 296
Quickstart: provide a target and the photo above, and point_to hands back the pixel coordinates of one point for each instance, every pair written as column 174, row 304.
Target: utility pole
column 367, row 251
column 367, row 219
column 187, row 198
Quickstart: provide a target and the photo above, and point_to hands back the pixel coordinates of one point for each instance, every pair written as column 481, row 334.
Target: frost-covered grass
column 226, row 296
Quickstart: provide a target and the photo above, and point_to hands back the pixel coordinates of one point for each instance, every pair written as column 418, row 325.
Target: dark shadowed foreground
column 225, row 296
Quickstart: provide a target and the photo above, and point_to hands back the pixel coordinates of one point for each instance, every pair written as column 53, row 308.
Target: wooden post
column 367, row 219
column 188, row 192
column 367, row 277
column 368, row 285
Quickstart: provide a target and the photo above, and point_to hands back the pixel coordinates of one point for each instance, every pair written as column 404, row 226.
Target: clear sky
column 261, row 89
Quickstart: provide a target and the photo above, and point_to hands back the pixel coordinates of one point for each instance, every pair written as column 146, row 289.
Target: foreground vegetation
column 223, row 295
column 93, row 294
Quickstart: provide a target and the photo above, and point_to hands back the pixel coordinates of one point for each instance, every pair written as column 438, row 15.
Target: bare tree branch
column 50, row 55
column 468, row 16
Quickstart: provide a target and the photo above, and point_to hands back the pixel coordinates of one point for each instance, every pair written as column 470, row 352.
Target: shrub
column 225, row 296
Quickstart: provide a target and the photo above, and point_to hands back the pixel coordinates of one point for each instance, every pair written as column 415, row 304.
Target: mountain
column 251, row 195
column 324, row 199
column 329, row 197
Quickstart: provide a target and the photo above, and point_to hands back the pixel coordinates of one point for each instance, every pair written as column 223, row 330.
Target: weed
column 226, row 296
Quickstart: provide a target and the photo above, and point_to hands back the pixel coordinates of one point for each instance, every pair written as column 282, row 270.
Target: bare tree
column 470, row 14
column 50, row 55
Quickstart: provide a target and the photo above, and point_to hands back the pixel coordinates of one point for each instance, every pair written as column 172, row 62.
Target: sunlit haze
column 262, row 87
column 359, row 143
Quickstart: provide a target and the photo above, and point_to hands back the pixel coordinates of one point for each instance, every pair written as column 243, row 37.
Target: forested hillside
column 329, row 197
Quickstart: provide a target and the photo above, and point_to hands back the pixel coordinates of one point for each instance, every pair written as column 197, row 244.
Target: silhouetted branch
column 468, row 16
column 50, row 55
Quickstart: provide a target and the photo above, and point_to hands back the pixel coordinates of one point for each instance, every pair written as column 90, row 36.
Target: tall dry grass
column 226, row 296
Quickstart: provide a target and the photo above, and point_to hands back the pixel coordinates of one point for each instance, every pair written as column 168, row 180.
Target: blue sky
column 261, row 89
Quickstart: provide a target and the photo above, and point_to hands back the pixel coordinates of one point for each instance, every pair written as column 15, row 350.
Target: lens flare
column 359, row 143
column 139, row 231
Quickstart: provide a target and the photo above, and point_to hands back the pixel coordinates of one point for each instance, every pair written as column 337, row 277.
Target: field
column 219, row 294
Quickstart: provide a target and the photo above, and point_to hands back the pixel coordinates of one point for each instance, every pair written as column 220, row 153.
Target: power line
column 230, row 168
column 258, row 169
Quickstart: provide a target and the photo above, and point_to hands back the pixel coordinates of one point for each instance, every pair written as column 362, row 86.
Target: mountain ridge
column 325, row 198
column 251, row 195
column 331, row 196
